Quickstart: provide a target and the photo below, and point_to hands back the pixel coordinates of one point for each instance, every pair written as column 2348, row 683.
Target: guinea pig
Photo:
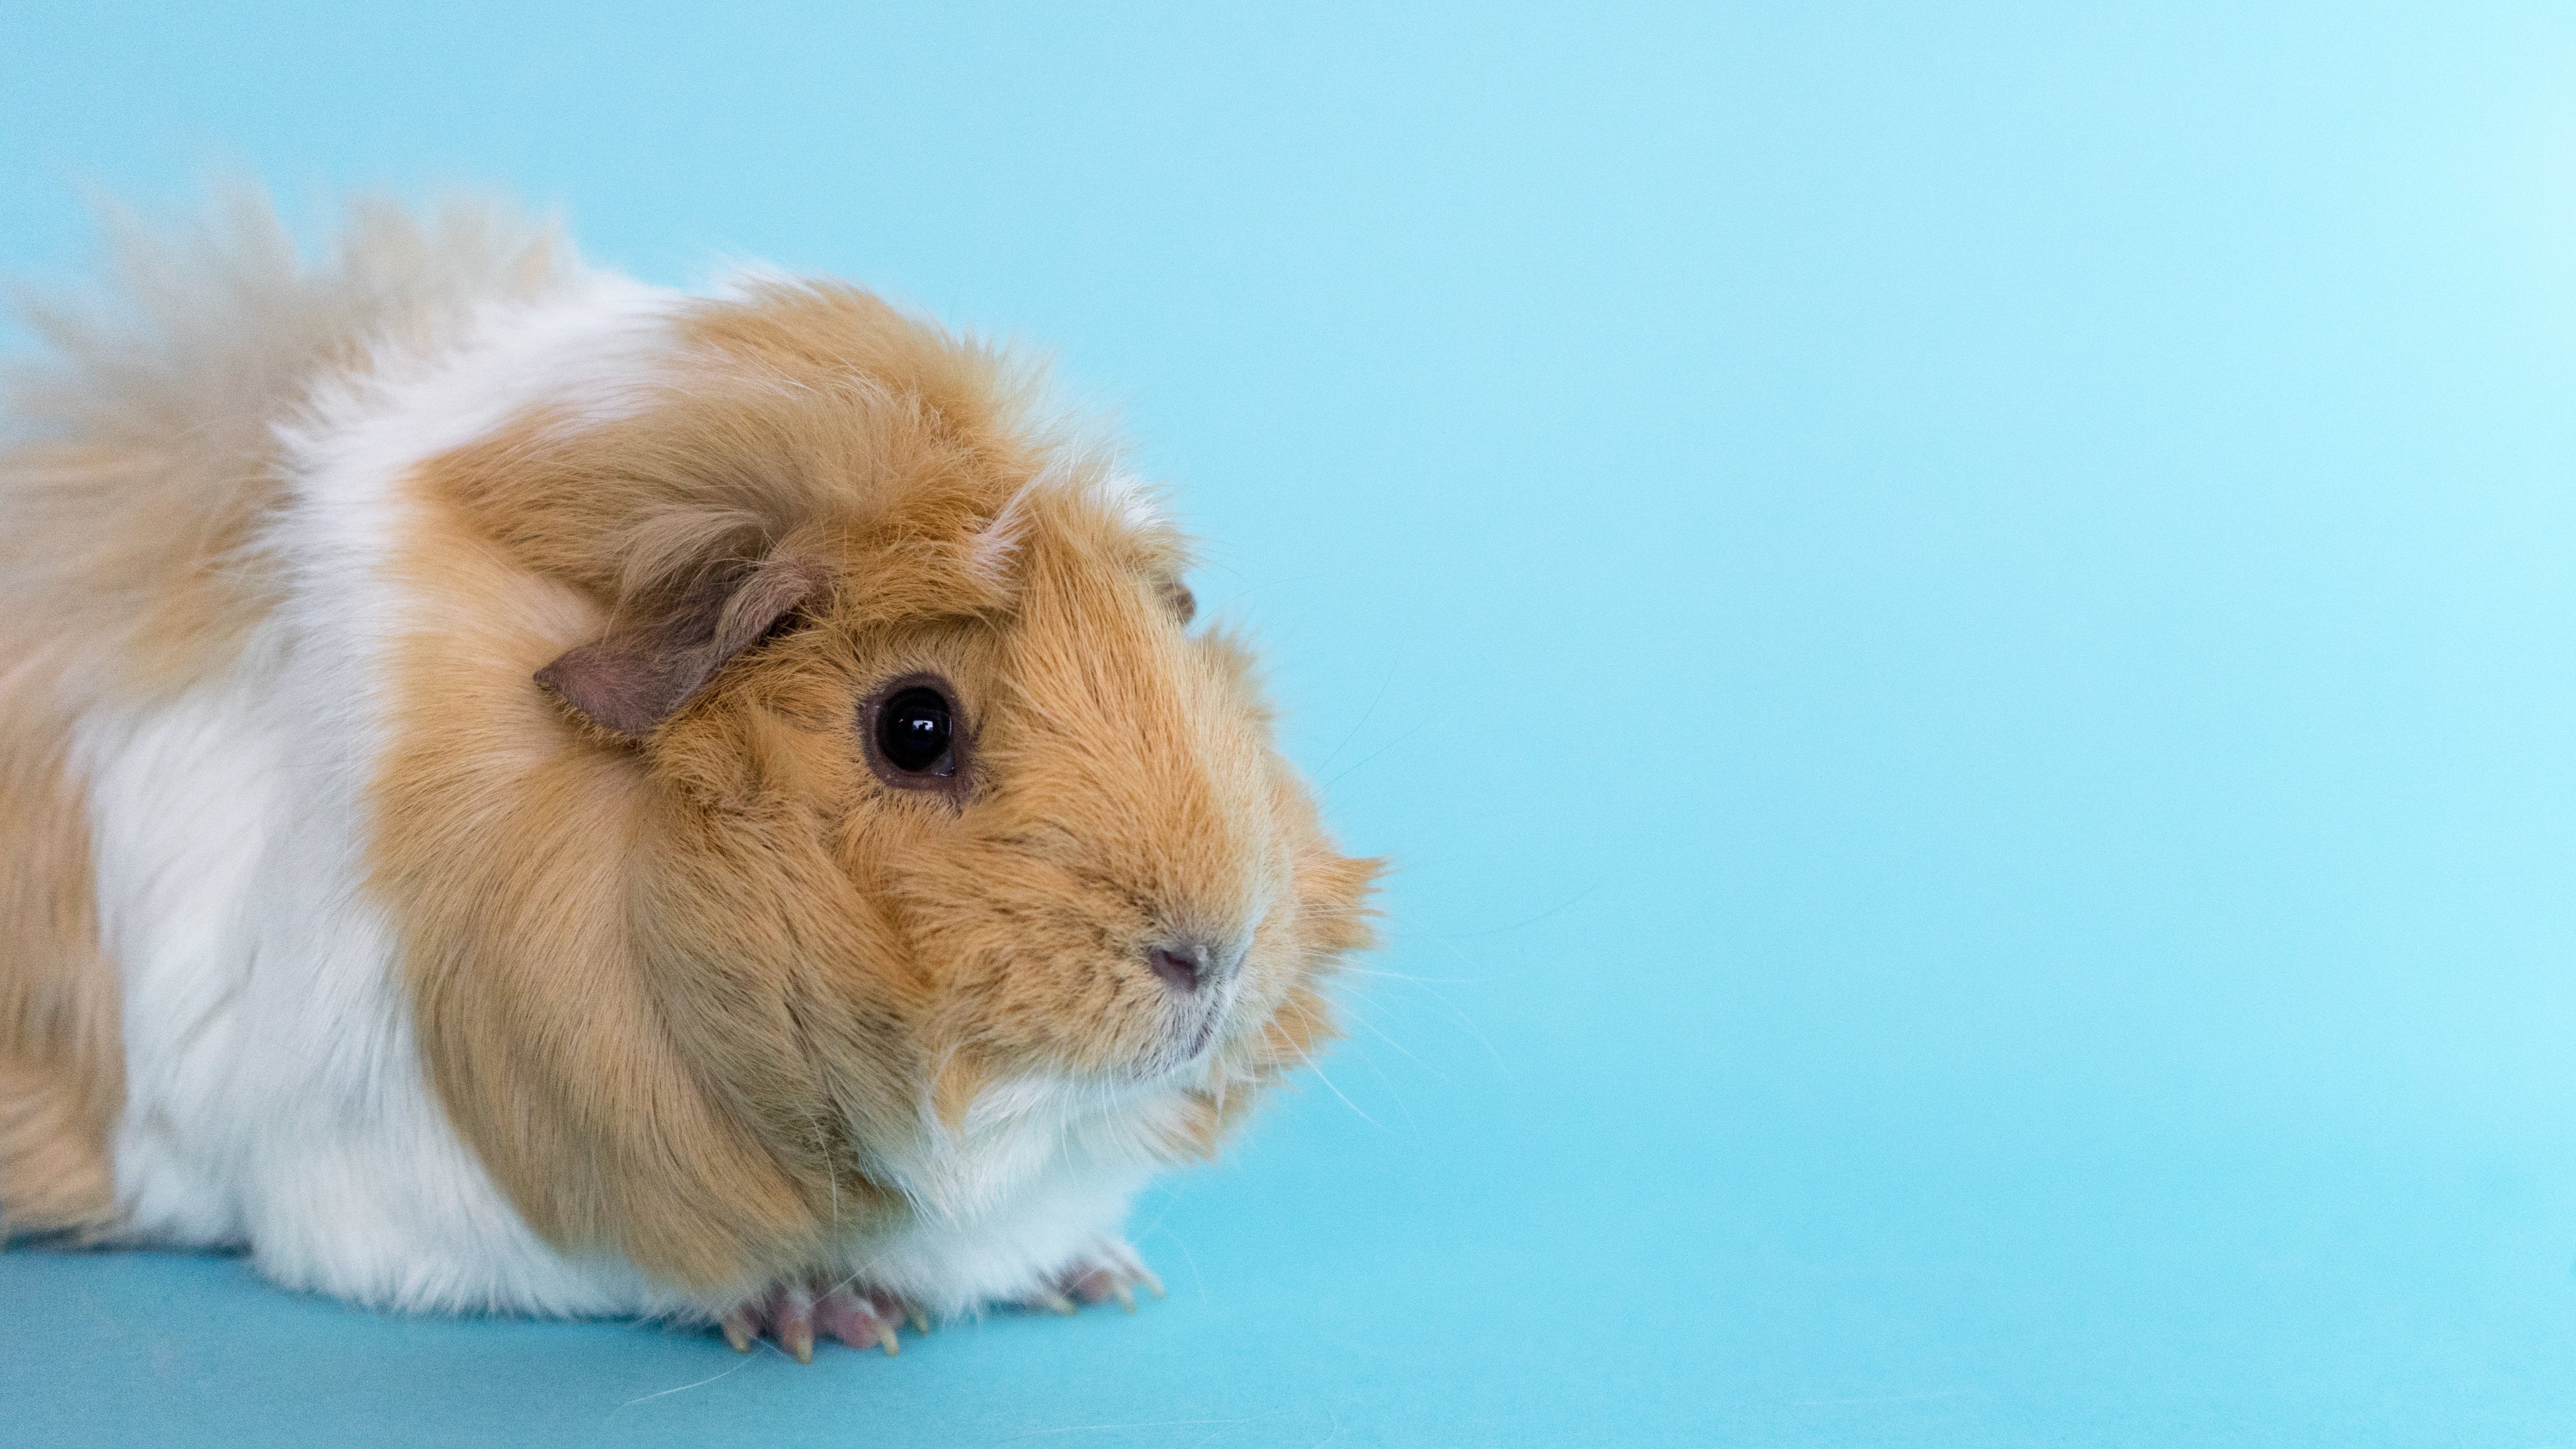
column 526, row 792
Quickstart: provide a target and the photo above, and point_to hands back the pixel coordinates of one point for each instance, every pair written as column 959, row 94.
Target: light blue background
column 1960, row 623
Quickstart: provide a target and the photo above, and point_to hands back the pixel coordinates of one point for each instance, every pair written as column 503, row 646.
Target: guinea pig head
column 916, row 798
column 1048, row 833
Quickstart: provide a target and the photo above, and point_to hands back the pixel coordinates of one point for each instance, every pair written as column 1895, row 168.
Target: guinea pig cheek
column 1025, row 953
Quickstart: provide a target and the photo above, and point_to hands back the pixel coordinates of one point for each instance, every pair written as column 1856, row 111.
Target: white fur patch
column 1040, row 1174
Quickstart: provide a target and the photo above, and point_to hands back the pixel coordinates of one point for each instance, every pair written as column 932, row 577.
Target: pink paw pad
column 792, row 1314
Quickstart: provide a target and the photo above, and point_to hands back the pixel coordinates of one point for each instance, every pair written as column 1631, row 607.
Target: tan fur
column 137, row 463
column 540, row 1026
column 61, row 1070
column 681, row 995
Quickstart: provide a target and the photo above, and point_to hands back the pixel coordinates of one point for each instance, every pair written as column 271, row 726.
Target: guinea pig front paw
column 1110, row 1270
column 791, row 1313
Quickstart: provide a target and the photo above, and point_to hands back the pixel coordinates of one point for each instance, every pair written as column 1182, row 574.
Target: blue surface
column 1962, row 623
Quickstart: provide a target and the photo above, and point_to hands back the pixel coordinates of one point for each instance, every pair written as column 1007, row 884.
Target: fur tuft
column 142, row 447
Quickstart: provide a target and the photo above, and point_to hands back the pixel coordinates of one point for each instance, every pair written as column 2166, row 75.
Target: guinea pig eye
column 914, row 729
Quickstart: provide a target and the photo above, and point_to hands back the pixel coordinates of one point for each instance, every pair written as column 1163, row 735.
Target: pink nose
column 1182, row 964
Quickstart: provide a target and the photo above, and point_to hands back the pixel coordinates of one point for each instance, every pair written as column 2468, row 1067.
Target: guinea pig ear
column 643, row 672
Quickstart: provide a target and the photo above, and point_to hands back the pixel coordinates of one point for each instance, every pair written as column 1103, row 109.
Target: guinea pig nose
column 1181, row 964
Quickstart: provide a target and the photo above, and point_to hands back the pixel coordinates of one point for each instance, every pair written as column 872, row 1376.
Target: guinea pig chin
column 1199, row 1023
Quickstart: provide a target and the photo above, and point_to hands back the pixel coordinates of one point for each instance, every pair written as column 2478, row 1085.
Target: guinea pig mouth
column 1194, row 1038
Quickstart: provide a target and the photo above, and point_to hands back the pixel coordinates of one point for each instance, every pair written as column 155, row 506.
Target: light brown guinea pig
column 523, row 791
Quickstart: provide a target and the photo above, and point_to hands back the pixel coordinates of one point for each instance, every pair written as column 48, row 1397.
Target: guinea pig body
column 527, row 792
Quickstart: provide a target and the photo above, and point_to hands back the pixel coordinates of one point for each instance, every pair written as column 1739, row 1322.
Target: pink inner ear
column 640, row 675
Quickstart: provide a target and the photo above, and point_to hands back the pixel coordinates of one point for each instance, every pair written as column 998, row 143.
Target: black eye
column 916, row 732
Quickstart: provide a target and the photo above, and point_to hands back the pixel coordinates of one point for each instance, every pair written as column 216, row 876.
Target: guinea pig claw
column 1109, row 1274
column 737, row 1332
column 920, row 1320
column 791, row 1320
